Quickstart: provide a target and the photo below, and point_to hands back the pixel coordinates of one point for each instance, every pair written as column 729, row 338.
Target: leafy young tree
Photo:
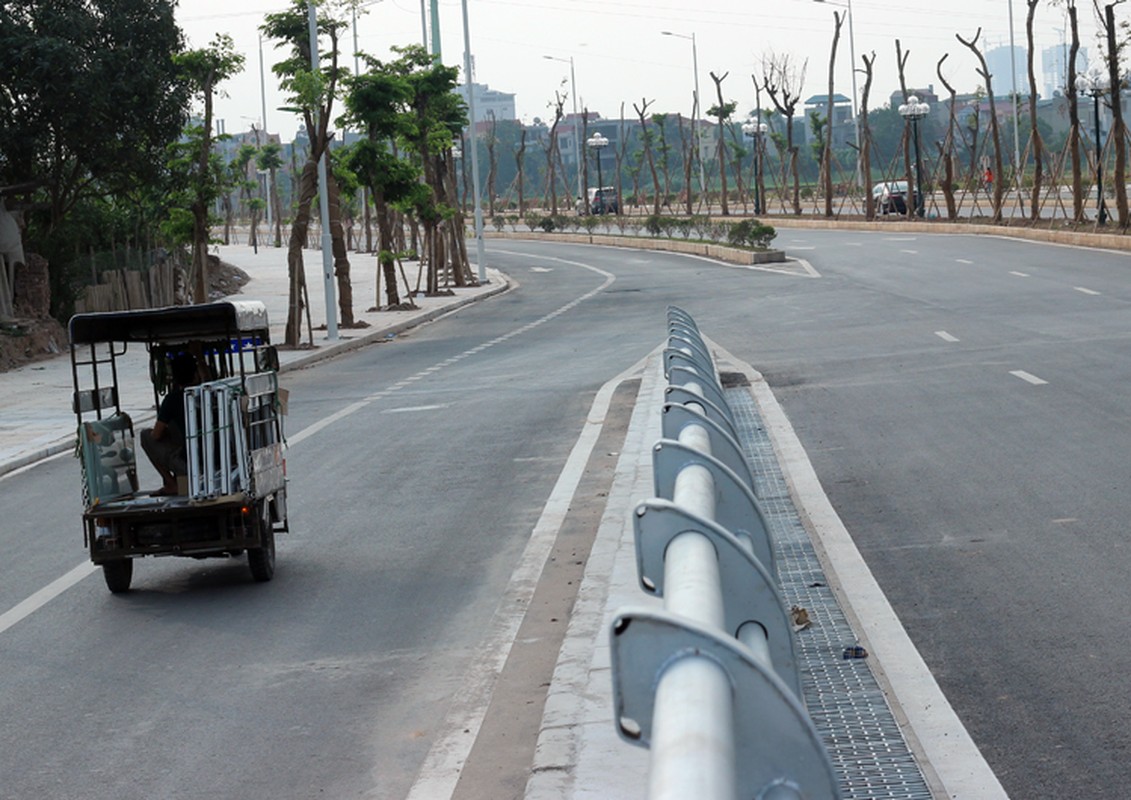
column 203, row 70
column 270, row 158
column 89, row 98
column 783, row 81
column 313, row 94
column 722, row 111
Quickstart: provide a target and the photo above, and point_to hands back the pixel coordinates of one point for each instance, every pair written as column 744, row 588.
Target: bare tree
column 866, row 137
column 946, row 150
column 1074, row 113
column 1118, row 128
column 827, row 154
column 491, row 140
column 520, row 162
column 1035, row 144
column 646, row 138
column 722, row 112
column 995, row 131
column 583, row 201
column 686, row 144
column 552, row 152
column 783, row 83
column 909, row 208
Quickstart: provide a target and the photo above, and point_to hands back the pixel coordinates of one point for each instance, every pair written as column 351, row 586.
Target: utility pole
column 323, row 199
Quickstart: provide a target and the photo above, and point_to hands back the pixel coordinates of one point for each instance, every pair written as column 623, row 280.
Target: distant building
column 1000, row 62
column 1054, row 67
column 843, row 125
column 489, row 102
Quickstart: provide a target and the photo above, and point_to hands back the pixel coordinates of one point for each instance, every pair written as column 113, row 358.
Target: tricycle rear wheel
column 118, row 574
column 261, row 560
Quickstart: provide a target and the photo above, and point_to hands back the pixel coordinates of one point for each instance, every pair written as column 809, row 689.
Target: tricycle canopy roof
column 172, row 324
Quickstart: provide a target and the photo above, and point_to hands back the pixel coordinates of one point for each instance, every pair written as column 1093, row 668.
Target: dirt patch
column 27, row 340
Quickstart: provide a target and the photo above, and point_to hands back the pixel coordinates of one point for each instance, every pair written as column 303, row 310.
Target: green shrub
column 499, row 222
column 751, row 233
column 533, row 220
column 546, row 223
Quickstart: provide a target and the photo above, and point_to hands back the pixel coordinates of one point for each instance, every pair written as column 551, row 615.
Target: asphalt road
column 960, row 398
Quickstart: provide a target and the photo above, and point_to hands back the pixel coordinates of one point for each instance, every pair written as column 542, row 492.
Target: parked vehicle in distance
column 891, row 198
column 603, row 200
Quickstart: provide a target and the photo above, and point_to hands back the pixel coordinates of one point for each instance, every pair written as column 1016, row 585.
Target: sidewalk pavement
column 36, row 420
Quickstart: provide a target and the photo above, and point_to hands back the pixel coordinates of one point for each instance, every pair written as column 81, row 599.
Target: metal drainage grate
column 868, row 751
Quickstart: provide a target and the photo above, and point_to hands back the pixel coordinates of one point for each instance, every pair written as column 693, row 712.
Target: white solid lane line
column 45, row 595
column 1028, row 377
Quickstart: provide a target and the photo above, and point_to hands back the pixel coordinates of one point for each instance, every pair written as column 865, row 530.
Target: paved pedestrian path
column 36, row 420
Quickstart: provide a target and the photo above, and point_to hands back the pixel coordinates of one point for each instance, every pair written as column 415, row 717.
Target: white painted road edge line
column 441, row 768
column 949, row 756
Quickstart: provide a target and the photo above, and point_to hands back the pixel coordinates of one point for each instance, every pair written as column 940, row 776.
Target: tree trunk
column 722, row 146
column 827, row 155
column 1035, row 137
column 866, row 140
column 1118, row 130
column 341, row 253
column 296, row 271
column 995, row 130
column 386, row 247
column 947, row 150
column 1074, row 117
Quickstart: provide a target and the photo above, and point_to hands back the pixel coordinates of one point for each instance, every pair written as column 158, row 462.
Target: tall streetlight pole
column 357, row 72
column 323, row 200
column 694, row 107
column 755, row 130
column 576, row 137
column 1016, row 112
column 597, row 143
column 1095, row 84
column 480, row 259
column 914, row 110
column 263, row 100
column 851, row 54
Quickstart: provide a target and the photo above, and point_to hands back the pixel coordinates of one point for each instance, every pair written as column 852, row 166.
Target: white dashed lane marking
column 1028, row 377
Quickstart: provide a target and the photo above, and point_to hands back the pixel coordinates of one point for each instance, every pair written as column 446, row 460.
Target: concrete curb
column 720, row 252
column 373, row 334
column 1105, row 241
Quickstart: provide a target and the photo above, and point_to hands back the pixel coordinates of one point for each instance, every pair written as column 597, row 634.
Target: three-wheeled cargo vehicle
column 231, row 498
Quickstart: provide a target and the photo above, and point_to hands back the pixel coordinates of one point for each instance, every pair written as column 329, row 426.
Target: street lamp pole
column 323, row 200
column 914, row 110
column 598, row 143
column 263, row 101
column 576, row 137
column 1094, row 83
column 755, row 130
column 480, row 256
column 694, row 107
column 1016, row 112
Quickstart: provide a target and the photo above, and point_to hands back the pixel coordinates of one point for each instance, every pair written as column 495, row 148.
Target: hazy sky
column 621, row 56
